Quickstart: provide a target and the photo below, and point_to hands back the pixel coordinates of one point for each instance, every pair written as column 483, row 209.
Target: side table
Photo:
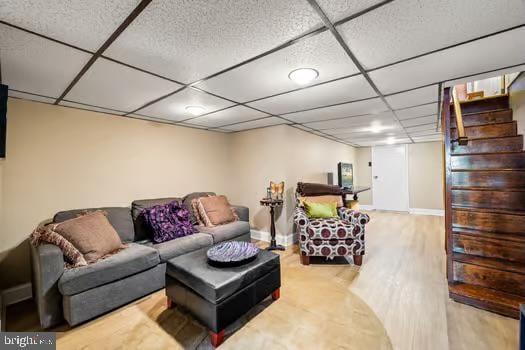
column 272, row 204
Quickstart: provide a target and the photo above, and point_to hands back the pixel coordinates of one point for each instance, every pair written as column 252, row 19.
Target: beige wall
column 62, row 158
column 517, row 102
column 425, row 175
column 280, row 153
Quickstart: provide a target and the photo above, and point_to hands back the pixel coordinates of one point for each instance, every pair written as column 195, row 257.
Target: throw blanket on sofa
column 315, row 189
column 44, row 233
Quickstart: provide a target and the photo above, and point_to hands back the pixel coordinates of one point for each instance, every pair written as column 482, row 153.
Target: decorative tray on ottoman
column 232, row 253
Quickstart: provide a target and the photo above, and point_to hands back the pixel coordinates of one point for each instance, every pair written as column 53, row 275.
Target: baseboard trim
column 423, row 211
column 366, row 207
column 286, row 241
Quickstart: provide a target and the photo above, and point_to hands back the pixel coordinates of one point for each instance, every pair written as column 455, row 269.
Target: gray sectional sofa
column 83, row 293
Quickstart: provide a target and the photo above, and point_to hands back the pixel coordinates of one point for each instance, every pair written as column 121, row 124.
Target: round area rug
column 316, row 310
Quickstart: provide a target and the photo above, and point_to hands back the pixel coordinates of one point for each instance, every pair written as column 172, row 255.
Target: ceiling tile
column 416, row 112
column 425, row 127
column 302, row 127
column 414, row 97
column 339, row 9
column 174, row 107
column 189, row 40
column 36, row 65
column 414, row 27
column 420, row 120
column 345, row 90
column 385, row 118
column 432, row 132
column 384, row 142
column 111, row 85
column 269, row 74
column 472, row 58
column 371, row 106
column 427, row 138
column 256, row 124
column 228, row 116
column 31, row 97
column 86, row 24
column 90, row 108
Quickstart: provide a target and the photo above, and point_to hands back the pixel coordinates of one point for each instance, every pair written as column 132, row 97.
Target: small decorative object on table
column 277, row 190
column 272, row 203
column 232, row 253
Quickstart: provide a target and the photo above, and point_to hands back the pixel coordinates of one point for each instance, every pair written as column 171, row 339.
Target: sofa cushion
column 119, row 218
column 191, row 196
column 134, row 259
column 91, row 234
column 216, row 210
column 170, row 249
column 142, row 229
column 226, row 232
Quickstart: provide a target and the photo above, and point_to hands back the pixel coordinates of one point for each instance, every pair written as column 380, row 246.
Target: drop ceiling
column 381, row 64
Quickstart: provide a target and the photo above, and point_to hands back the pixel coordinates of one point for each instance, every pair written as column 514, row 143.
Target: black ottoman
column 219, row 296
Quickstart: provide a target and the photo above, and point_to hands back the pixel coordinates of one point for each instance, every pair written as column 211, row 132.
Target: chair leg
column 305, row 260
column 169, row 302
column 276, row 294
column 216, row 338
column 358, row 260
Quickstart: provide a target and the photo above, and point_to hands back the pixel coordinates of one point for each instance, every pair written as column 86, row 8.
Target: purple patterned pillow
column 169, row 221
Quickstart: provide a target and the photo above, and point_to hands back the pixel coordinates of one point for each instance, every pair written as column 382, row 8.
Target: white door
column 390, row 177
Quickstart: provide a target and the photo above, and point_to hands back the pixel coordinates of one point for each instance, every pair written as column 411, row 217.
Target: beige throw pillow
column 216, row 210
column 91, row 234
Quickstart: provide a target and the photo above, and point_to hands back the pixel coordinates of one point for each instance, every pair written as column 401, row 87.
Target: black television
column 3, row 118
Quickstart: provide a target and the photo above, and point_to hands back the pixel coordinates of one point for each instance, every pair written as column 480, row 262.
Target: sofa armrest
column 353, row 216
column 48, row 266
column 243, row 212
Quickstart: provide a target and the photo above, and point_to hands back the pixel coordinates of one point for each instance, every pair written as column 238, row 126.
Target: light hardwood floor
column 403, row 280
column 397, row 299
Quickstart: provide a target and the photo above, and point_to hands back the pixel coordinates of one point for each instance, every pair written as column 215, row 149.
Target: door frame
column 406, row 194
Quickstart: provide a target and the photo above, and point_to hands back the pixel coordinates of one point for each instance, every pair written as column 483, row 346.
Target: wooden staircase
column 484, row 205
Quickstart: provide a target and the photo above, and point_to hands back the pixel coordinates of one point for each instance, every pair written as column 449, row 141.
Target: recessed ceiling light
column 195, row 110
column 303, row 76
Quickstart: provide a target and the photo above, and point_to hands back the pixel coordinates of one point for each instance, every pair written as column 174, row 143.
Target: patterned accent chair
column 342, row 236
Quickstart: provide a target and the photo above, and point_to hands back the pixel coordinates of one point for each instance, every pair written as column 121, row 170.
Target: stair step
column 486, row 161
column 497, row 264
column 489, row 220
column 489, row 198
column 514, row 178
column 492, row 273
column 483, row 104
column 485, row 298
column 483, row 118
column 489, row 130
column 492, row 247
column 490, row 235
column 490, row 145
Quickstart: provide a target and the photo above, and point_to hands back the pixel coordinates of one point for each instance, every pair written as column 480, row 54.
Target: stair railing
column 462, row 138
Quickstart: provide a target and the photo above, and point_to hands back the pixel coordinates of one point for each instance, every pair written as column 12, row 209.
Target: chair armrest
column 243, row 212
column 48, row 266
column 300, row 218
column 353, row 216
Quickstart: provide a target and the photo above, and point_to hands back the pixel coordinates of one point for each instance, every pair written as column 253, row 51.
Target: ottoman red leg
column 276, row 294
column 169, row 302
column 216, row 338
column 358, row 260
